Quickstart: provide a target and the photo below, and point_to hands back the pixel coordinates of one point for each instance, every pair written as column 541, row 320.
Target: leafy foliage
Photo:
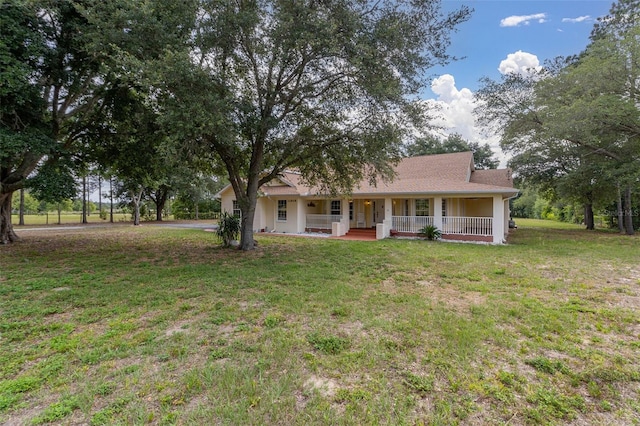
column 53, row 183
column 483, row 155
column 228, row 228
column 430, row 232
column 321, row 87
column 573, row 129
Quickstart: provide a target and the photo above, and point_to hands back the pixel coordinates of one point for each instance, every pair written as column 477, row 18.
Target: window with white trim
column 422, row 207
column 282, row 210
column 236, row 209
column 350, row 210
column 336, row 207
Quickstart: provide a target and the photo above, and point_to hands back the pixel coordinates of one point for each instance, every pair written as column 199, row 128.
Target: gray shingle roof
column 429, row 174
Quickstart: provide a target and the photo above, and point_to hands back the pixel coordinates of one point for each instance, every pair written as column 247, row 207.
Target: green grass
column 66, row 218
column 154, row 325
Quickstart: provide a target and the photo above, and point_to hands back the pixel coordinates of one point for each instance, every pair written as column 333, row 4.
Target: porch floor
column 359, row 234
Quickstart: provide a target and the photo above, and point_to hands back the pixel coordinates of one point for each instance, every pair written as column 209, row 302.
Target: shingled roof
column 429, row 174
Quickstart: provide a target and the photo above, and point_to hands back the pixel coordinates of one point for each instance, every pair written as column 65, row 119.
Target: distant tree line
column 483, row 155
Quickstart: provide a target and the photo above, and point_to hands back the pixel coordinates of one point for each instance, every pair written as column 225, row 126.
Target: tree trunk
column 84, row 199
column 160, row 201
column 620, row 212
column 111, row 199
column 248, row 209
column 7, row 235
column 246, row 230
column 628, row 211
column 59, row 214
column 588, row 216
column 99, row 194
column 136, row 198
column 21, row 220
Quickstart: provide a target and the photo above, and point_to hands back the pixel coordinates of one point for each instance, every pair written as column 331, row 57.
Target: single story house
column 443, row 190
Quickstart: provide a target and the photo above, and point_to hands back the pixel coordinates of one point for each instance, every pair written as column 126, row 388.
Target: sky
column 505, row 36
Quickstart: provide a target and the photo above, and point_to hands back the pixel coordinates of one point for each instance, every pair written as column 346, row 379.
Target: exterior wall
column 455, row 207
column 269, row 214
column 481, row 207
column 297, row 209
column 291, row 224
column 452, row 237
column 478, row 238
column 226, row 201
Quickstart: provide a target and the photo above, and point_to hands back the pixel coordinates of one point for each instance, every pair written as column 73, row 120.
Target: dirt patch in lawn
column 459, row 302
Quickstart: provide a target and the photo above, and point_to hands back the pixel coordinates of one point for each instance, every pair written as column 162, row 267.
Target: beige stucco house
column 442, row 190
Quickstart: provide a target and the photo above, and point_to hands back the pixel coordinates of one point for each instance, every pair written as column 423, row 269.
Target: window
column 422, row 207
column 350, row 210
column 282, row 210
column 236, row 209
column 336, row 207
column 444, row 207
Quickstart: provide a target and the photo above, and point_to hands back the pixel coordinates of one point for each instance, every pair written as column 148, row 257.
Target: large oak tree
column 323, row 87
column 59, row 60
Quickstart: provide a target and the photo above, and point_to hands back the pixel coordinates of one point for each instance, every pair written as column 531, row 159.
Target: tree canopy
column 248, row 89
column 574, row 127
column 483, row 155
column 320, row 87
column 59, row 60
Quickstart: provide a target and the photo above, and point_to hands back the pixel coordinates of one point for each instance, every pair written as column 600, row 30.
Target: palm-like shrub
column 430, row 232
column 228, row 228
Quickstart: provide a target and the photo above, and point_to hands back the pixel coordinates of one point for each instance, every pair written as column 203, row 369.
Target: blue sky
column 554, row 28
column 500, row 37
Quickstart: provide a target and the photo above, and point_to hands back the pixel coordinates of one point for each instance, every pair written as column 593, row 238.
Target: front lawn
column 153, row 325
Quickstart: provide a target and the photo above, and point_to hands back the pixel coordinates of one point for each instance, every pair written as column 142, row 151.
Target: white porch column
column 388, row 209
column 301, row 215
column 498, row 219
column 383, row 230
column 437, row 212
column 346, row 225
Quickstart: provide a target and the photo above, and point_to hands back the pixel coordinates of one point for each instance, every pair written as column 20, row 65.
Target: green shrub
column 430, row 232
column 228, row 228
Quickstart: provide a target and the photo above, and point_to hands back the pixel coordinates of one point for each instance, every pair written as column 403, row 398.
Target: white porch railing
column 458, row 225
column 467, row 225
column 410, row 224
column 322, row 221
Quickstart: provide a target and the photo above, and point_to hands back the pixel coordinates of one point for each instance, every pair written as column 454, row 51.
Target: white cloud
column 456, row 113
column 519, row 62
column 517, row 20
column 585, row 18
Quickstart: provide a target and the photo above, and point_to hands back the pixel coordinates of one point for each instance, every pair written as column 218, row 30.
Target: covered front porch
column 463, row 218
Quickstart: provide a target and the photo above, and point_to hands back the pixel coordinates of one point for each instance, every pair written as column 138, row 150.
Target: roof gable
column 495, row 177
